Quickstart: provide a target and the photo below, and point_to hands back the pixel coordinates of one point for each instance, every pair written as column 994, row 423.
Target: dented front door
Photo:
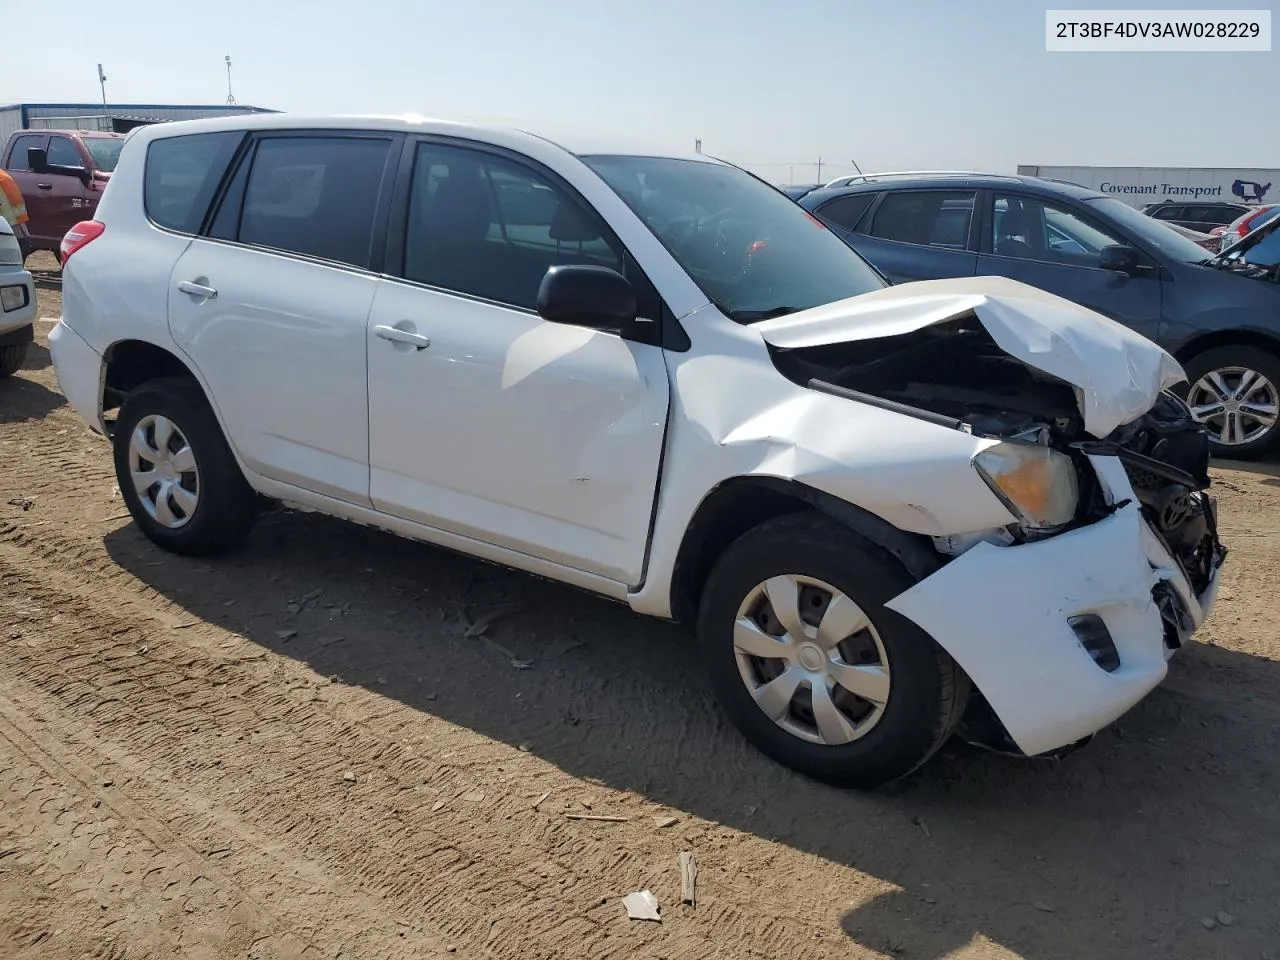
column 490, row 422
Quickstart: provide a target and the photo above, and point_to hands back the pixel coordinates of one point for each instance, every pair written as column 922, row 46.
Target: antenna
column 102, row 82
column 231, row 97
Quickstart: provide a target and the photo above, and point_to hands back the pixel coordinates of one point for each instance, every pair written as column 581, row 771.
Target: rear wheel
column 810, row 664
column 12, row 358
column 1235, row 392
column 176, row 473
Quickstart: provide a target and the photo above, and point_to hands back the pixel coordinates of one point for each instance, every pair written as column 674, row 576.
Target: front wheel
column 1235, row 392
column 11, row 359
column 176, row 473
column 810, row 664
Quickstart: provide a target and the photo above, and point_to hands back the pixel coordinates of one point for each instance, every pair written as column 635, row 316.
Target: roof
column 578, row 143
column 970, row 181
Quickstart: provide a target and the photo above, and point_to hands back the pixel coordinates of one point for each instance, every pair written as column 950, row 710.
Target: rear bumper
column 79, row 370
column 1004, row 614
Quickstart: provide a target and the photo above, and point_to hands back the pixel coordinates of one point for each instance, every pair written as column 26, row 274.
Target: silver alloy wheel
column 1238, row 404
column 162, row 467
column 811, row 659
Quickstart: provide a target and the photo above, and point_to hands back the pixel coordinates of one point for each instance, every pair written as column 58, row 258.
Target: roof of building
column 112, row 107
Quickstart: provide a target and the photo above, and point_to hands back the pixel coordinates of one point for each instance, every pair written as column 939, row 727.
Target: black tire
column 226, row 506
column 12, row 358
column 1252, row 358
column 928, row 690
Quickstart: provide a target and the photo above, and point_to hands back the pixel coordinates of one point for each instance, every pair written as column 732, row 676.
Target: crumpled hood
column 1117, row 374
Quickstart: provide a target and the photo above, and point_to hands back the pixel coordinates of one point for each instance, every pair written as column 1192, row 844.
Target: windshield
column 751, row 250
column 105, row 152
column 1167, row 241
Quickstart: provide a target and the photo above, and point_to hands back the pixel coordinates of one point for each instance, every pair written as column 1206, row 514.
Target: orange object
column 12, row 207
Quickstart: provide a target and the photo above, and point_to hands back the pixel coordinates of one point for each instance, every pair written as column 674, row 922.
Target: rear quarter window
column 182, row 175
column 846, row 211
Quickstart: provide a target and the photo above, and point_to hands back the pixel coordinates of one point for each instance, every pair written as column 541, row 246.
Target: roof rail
column 852, row 178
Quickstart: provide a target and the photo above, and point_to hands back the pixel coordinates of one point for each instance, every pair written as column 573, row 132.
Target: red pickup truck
column 62, row 174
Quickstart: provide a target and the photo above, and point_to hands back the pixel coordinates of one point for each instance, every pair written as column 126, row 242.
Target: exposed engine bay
column 955, row 374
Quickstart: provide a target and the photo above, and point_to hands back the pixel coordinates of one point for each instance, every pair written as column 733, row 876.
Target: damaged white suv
column 892, row 512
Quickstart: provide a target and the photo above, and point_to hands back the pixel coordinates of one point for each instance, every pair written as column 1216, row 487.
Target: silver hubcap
column 811, row 659
column 1238, row 404
column 163, row 470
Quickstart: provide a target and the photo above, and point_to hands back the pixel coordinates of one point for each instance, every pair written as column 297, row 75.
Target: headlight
column 10, row 251
column 13, row 298
column 1037, row 484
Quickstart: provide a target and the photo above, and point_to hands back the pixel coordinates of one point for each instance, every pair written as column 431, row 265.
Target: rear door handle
column 44, row 186
column 396, row 335
column 197, row 289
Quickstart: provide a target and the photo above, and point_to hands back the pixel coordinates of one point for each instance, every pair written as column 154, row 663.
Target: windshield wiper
column 753, row 316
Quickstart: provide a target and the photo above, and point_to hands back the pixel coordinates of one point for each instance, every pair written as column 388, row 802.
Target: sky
column 770, row 84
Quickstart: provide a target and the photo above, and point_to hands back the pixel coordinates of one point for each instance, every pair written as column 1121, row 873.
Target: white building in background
column 1139, row 186
column 117, row 117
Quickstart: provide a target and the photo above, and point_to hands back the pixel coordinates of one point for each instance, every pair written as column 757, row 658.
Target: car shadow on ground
column 1164, row 819
column 37, row 357
column 1268, row 468
column 24, row 399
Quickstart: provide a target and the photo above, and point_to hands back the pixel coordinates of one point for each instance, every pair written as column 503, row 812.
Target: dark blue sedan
column 1220, row 318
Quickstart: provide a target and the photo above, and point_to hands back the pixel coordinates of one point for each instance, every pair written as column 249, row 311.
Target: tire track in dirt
column 126, row 885
column 526, row 886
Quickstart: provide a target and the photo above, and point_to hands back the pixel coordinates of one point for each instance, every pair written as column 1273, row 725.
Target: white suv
column 889, row 510
column 17, row 303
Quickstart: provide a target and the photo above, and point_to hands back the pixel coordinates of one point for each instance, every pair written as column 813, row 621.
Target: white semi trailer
column 1139, row 186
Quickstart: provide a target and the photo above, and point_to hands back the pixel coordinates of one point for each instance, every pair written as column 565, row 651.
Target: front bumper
column 1004, row 614
column 79, row 371
column 19, row 318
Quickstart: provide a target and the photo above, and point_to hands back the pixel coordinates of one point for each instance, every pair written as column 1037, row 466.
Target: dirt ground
column 314, row 748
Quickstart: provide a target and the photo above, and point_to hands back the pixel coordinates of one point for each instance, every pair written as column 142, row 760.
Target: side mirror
column 38, row 161
column 587, row 296
column 1118, row 257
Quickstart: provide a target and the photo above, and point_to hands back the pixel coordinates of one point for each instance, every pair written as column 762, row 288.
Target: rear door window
column 938, row 218
column 316, row 196
column 182, row 174
column 1214, row 216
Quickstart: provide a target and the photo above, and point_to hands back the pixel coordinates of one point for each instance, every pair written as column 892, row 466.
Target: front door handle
column 44, row 186
column 197, row 289
column 396, row 335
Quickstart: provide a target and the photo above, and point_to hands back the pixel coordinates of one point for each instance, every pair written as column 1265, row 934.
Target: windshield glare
column 751, row 250
column 1167, row 241
column 105, row 152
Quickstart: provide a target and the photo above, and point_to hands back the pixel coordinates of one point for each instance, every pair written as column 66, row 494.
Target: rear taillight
column 79, row 235
column 1247, row 223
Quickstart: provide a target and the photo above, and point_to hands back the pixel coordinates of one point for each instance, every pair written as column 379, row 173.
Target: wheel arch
column 1226, row 338
column 128, row 364
column 739, row 504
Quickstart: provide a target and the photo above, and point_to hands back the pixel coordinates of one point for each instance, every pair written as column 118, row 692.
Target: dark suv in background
column 1221, row 323
column 1201, row 217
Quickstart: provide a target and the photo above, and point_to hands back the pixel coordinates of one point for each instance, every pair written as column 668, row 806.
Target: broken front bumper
column 1009, row 616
